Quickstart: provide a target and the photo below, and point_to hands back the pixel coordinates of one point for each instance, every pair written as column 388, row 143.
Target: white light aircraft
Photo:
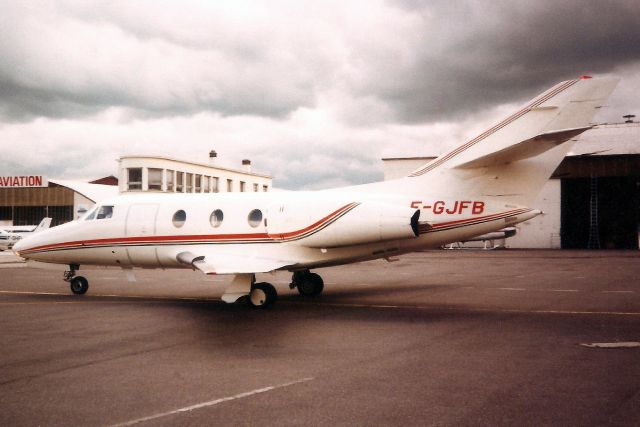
column 10, row 235
column 484, row 185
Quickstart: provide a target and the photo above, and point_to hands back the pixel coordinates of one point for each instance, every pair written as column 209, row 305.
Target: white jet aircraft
column 484, row 185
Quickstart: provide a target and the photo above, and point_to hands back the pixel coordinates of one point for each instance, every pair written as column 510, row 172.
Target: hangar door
column 613, row 221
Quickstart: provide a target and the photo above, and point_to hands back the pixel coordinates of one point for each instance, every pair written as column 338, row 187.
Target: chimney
column 246, row 165
column 213, row 157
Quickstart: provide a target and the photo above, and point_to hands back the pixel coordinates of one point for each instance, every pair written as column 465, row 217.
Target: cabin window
column 255, row 217
column 134, row 178
column 179, row 218
column 104, row 212
column 216, row 218
column 155, row 179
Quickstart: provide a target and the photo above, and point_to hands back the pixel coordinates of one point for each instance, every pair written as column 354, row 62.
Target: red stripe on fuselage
column 194, row 238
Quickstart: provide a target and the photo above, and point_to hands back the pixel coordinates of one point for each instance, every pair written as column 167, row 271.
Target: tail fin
column 514, row 158
column 44, row 224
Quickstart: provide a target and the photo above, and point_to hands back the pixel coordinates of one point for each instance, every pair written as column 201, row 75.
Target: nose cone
column 21, row 245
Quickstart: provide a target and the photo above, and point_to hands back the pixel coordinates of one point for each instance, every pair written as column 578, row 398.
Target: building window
column 216, row 218
column 134, row 179
column 180, row 182
column 255, row 218
column 198, row 183
column 189, row 183
column 256, row 188
column 206, row 184
column 170, row 176
column 214, row 184
column 155, row 179
column 179, row 218
column 242, row 186
column 229, row 185
column 265, row 188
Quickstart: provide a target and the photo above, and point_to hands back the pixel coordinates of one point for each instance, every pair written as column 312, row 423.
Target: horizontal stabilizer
column 526, row 149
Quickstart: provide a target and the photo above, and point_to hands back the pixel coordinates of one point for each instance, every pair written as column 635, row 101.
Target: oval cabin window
column 216, row 218
column 255, row 217
column 179, row 218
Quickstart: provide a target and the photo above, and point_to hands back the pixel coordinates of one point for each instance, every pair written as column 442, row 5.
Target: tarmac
column 437, row 338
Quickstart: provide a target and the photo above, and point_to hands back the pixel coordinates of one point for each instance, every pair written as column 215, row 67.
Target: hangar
column 26, row 199
column 592, row 201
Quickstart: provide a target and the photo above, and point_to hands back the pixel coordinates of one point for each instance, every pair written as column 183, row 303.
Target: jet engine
column 365, row 223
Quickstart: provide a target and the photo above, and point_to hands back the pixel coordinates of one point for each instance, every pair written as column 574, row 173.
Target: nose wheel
column 78, row 284
column 262, row 295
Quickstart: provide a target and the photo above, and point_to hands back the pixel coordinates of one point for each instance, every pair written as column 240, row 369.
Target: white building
column 164, row 174
column 26, row 199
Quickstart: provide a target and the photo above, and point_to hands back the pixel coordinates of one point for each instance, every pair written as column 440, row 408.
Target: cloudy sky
column 314, row 93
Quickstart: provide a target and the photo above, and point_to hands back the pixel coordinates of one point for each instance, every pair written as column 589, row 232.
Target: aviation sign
column 22, row 181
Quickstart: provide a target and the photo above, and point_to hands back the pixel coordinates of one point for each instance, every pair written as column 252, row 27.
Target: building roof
column 107, row 180
column 216, row 166
column 608, row 140
column 93, row 192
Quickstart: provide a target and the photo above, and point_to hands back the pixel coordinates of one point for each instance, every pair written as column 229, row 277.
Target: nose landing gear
column 78, row 284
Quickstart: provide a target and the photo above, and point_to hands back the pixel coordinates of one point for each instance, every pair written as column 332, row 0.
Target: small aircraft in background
column 484, row 185
column 488, row 240
column 11, row 234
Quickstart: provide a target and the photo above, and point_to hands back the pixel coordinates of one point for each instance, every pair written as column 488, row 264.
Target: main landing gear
column 78, row 284
column 308, row 284
column 262, row 295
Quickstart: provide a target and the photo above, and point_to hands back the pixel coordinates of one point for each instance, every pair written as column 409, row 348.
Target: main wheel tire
column 79, row 285
column 310, row 285
column 262, row 295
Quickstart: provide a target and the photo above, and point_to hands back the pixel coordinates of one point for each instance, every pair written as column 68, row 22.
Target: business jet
column 484, row 185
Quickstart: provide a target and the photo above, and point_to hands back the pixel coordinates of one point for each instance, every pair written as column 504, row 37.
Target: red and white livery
column 484, row 185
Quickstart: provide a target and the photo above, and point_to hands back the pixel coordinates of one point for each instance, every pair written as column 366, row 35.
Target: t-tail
column 513, row 159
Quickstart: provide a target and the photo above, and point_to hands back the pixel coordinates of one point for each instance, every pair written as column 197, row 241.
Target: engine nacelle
column 366, row 223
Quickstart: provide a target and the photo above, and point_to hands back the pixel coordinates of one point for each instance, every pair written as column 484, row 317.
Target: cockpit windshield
column 104, row 212
column 101, row 212
column 90, row 215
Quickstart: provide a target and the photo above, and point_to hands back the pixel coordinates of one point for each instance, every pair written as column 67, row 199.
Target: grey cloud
column 479, row 54
column 429, row 61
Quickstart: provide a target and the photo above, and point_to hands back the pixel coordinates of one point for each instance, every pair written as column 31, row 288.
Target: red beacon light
column 585, row 77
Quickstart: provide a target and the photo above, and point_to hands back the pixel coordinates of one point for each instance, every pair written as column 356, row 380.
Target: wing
column 230, row 264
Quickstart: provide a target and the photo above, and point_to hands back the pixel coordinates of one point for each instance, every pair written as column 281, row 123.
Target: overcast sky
column 314, row 93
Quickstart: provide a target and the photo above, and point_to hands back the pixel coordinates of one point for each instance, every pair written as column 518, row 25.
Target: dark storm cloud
column 477, row 54
column 423, row 61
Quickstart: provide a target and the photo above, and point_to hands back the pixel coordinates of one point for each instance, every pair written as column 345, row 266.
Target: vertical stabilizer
column 514, row 158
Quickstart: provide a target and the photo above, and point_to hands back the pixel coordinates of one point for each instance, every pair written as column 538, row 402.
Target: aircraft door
column 141, row 223
column 276, row 221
